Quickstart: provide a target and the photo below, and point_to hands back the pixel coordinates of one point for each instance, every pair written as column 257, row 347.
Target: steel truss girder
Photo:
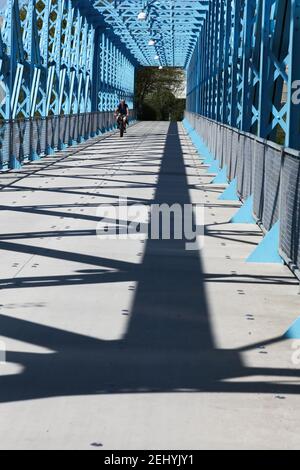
column 245, row 69
column 50, row 61
column 173, row 24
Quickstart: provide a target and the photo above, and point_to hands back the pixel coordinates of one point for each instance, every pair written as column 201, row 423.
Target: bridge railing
column 24, row 140
column 265, row 171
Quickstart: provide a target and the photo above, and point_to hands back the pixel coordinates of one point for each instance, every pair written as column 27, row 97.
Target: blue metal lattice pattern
column 55, row 59
column 245, row 69
column 173, row 26
column 71, row 57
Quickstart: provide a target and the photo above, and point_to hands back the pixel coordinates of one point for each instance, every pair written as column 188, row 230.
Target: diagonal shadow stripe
column 169, row 345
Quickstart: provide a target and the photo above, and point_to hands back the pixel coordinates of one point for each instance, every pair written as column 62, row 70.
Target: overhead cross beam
column 174, row 25
column 56, row 58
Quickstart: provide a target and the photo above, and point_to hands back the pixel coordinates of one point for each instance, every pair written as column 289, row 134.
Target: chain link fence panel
column 28, row 139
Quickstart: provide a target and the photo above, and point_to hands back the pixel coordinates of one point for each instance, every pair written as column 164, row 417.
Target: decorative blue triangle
column 63, row 146
column 245, row 213
column 213, row 168
column 50, row 150
column 207, row 157
column 198, row 143
column 203, row 150
column 267, row 251
column 294, row 331
column 187, row 125
column 221, row 178
column 230, row 194
column 34, row 157
column 15, row 164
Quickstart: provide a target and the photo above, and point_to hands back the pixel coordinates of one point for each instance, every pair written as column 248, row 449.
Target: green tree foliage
column 157, row 94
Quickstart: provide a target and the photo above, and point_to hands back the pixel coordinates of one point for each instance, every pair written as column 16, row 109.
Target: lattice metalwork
column 245, row 69
column 168, row 33
column 52, row 61
column 68, row 57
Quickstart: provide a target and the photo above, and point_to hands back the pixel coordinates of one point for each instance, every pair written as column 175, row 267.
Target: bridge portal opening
column 160, row 93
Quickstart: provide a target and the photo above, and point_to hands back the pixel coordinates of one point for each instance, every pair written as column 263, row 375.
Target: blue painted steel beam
column 65, row 57
column 250, row 49
column 51, row 60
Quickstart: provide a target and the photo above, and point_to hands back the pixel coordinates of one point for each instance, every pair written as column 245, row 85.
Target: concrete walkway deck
column 135, row 344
